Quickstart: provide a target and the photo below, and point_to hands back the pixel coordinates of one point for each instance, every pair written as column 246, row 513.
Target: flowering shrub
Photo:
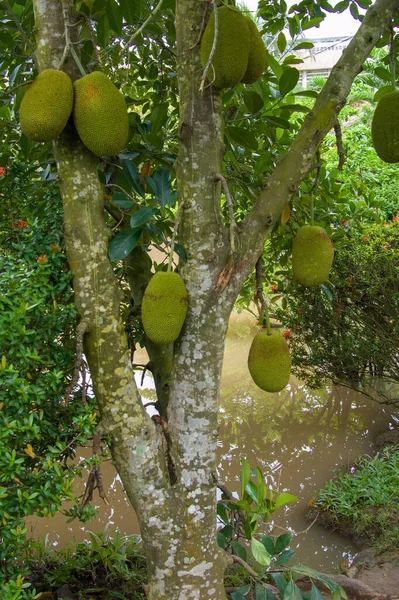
column 38, row 430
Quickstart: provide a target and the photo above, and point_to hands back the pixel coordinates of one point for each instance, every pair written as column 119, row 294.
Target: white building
column 319, row 60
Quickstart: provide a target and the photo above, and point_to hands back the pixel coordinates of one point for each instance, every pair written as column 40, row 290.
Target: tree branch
column 140, row 29
column 292, row 168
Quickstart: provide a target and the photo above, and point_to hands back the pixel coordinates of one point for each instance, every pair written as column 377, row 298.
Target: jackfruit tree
column 182, row 131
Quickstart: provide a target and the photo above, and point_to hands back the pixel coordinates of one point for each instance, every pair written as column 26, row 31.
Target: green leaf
column 277, row 121
column 316, row 595
column 162, row 180
column 341, row 6
column 221, row 539
column 245, row 475
column 292, row 592
column 132, row 174
column 281, row 42
column 239, row 550
column 312, row 23
column 259, row 552
column 141, row 216
column 261, row 485
column 307, row 93
column 127, row 10
column 263, row 593
column 123, row 243
column 103, row 33
column 114, row 15
column 384, row 74
column 121, row 200
column 295, row 107
column 303, row 45
column 181, row 252
column 280, row 582
column 268, row 543
column 240, row 593
column 158, row 117
column 243, row 137
column 285, row 498
column 288, row 81
column 220, row 508
column 282, row 542
column 253, row 101
column 252, row 491
column 285, row 557
column 275, row 66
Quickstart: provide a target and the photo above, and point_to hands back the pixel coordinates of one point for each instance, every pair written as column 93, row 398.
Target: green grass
column 366, row 500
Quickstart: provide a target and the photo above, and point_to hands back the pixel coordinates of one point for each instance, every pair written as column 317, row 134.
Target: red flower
column 55, row 248
column 274, row 288
column 2, row 171
column 41, row 259
column 349, row 280
column 387, row 247
column 395, row 219
column 287, row 333
column 365, row 239
column 344, row 221
column 19, row 224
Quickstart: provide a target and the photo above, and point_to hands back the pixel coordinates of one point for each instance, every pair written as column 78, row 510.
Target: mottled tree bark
column 167, row 470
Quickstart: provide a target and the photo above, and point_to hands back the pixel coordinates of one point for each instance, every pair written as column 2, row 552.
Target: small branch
column 264, row 312
column 340, row 148
column 317, row 166
column 172, row 241
column 14, row 17
column 95, row 479
column 233, row 225
column 80, row 331
column 122, row 190
column 92, row 38
column 66, row 35
column 140, row 29
column 254, row 574
column 203, row 24
column 213, row 49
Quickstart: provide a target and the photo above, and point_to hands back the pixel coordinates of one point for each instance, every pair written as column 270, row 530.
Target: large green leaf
column 292, row 592
column 141, row 216
column 245, row 475
column 282, row 542
column 288, row 81
column 132, row 175
column 285, row 498
column 259, row 552
column 316, row 595
column 123, row 243
column 239, row 550
column 253, row 101
column 114, row 15
column 243, row 137
column 285, row 557
column 162, row 180
column 121, row 200
column 158, row 117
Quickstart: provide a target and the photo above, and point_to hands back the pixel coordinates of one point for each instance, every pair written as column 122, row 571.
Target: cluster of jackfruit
column 240, row 54
column 269, row 361
column 164, row 307
column 312, row 255
column 385, row 128
column 98, row 109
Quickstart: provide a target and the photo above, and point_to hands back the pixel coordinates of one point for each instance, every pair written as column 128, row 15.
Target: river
column 298, row 438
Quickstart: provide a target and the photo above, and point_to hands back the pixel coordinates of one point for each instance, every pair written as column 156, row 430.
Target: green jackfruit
column 269, row 361
column 385, row 128
column 164, row 307
column 312, row 255
column 257, row 54
column 100, row 114
column 230, row 61
column 46, row 106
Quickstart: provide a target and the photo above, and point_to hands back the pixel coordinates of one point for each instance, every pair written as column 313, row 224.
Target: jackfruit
column 257, row 54
column 385, row 128
column 100, row 114
column 312, row 255
column 164, row 307
column 269, row 361
column 230, row 61
column 46, row 106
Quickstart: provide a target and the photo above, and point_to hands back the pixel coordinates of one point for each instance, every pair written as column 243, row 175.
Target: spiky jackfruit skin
column 100, row 114
column 269, row 361
column 46, row 106
column 164, row 307
column 257, row 54
column 312, row 255
column 230, row 61
column 385, row 128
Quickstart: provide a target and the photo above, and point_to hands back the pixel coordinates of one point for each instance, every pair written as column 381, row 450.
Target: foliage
column 364, row 501
column 244, row 519
column 347, row 331
column 113, row 567
column 39, row 426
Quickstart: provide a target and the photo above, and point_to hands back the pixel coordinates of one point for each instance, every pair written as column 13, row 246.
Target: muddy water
column 297, row 437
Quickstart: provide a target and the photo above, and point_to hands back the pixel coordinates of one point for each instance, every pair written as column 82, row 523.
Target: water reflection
column 297, row 438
